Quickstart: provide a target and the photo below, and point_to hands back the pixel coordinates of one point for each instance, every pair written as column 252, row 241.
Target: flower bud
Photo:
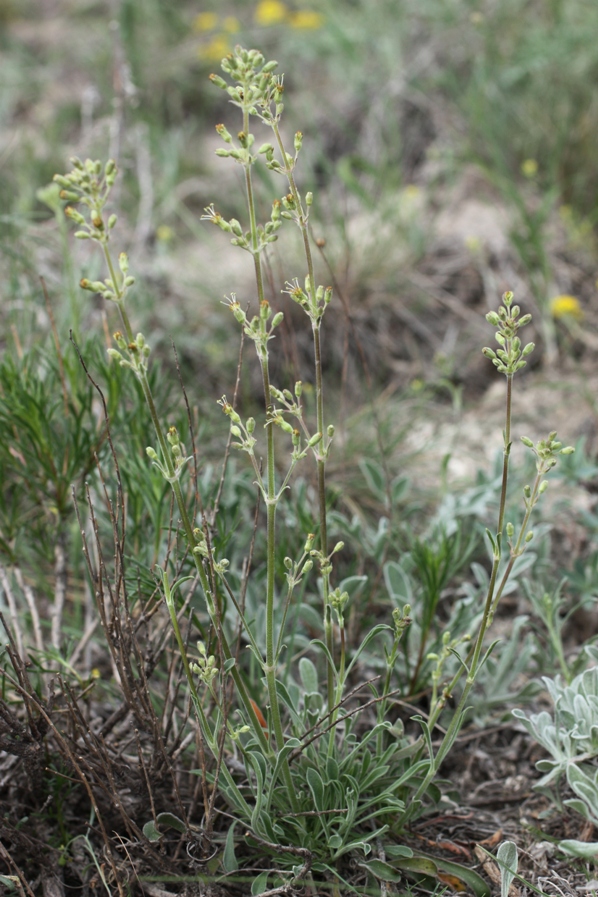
column 218, row 81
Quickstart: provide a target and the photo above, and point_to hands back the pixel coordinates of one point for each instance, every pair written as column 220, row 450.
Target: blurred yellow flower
column 215, row 50
column 205, row 21
column 529, row 168
column 306, row 19
column 473, row 243
column 231, row 25
column 270, row 12
column 164, row 233
column 566, row 306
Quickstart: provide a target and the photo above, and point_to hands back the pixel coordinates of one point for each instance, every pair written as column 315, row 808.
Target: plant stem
column 489, row 608
column 271, row 499
column 320, row 458
column 185, row 520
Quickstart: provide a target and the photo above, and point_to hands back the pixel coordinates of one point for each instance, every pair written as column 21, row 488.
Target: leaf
column 172, row 821
column 382, row 871
column 455, row 884
column 397, row 850
column 374, row 477
column 260, row 883
column 353, row 585
column 398, row 488
column 229, row 859
column 316, row 786
column 508, row 860
column 588, row 850
column 309, row 675
column 151, row 832
column 397, row 583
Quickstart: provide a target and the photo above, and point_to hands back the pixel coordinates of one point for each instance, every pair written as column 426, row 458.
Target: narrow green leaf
column 382, row 871
column 229, row 859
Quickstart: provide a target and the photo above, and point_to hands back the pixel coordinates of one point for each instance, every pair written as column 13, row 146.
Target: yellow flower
column 566, row 307
column 164, row 233
column 306, row 19
column 269, row 12
column 215, row 50
column 231, row 25
column 529, row 168
column 205, row 21
column 473, row 243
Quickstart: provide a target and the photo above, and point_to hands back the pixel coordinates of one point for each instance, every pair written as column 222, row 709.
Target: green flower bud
column 218, row 81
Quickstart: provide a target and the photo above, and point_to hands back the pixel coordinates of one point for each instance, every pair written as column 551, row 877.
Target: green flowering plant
column 314, row 789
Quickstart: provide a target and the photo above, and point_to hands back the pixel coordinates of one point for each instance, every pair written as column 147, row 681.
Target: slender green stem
column 320, row 458
column 271, row 498
column 474, row 656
